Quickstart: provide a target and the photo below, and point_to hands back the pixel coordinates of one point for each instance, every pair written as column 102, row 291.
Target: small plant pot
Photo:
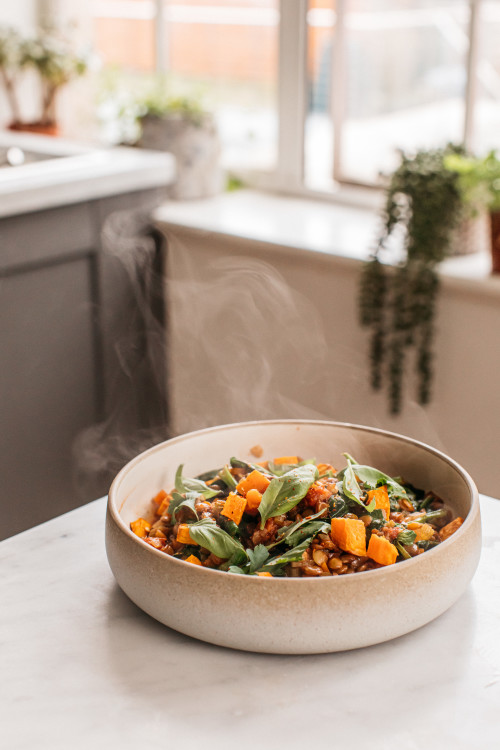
column 196, row 148
column 495, row 241
column 41, row 128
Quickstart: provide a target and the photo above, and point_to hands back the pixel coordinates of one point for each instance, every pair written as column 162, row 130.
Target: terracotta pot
column 43, row 128
column 495, row 241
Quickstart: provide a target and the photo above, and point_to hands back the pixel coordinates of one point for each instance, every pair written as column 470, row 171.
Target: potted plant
column 55, row 64
column 479, row 184
column 183, row 127
column 398, row 303
column 10, row 67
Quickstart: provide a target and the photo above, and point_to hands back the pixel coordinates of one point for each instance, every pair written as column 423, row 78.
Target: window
column 310, row 94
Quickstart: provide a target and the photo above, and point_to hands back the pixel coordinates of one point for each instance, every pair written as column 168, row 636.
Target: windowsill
column 343, row 232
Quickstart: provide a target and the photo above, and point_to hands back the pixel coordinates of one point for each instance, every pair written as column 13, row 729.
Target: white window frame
column 288, row 175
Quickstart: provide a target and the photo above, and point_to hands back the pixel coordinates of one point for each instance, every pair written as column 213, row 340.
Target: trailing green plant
column 398, row 304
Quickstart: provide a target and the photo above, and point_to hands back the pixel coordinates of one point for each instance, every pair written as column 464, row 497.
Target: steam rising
column 237, row 343
column 236, row 327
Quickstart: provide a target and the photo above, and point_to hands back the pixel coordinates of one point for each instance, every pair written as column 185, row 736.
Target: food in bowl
column 290, row 517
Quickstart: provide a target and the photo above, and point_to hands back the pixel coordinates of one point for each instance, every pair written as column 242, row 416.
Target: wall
column 260, row 331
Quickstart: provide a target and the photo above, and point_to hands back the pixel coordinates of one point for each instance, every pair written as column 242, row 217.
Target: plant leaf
column 228, row 478
column 183, row 484
column 293, row 555
column 208, row 535
column 285, row 492
column 406, row 536
column 257, row 557
column 279, row 469
column 310, row 529
column 285, row 532
column 375, row 478
column 179, row 501
column 236, row 463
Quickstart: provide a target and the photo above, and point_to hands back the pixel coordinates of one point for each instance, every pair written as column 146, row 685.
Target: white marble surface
column 80, row 173
column 83, row 668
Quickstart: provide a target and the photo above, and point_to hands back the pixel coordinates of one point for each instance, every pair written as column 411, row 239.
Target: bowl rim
column 113, row 511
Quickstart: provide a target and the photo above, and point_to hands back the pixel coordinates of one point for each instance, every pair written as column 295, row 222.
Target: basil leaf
column 293, row 555
column 427, row 544
column 284, row 533
column 182, row 501
column 257, row 557
column 375, row 478
column 237, row 569
column 406, row 555
column 310, row 529
column 227, row 525
column 350, row 486
column 279, row 469
column 378, row 519
column 284, row 493
column 337, row 506
column 228, row 478
column 208, row 535
column 182, row 484
column 406, row 537
column 236, row 463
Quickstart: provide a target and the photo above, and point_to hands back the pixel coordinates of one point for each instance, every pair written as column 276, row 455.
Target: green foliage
column 53, row 59
column 398, row 304
column 478, row 179
column 158, row 103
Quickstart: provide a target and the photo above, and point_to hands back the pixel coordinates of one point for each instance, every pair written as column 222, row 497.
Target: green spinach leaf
column 228, row 478
column 183, row 484
column 293, row 555
column 406, row 536
column 285, row 532
column 179, row 501
column 208, row 535
column 285, row 492
column 257, row 557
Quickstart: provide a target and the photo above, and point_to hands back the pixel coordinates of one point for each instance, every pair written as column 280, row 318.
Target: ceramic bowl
column 292, row 615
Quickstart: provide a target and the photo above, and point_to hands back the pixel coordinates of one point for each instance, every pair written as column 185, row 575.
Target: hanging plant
column 398, row 304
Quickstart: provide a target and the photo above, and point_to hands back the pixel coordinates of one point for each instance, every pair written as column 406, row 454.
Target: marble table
column 82, row 667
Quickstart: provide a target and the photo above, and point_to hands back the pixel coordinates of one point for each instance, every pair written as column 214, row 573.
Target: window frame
column 288, row 175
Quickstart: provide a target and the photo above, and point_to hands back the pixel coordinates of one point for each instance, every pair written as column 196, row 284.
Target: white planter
column 196, row 149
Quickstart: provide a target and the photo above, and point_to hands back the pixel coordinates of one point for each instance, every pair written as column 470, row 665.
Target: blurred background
column 281, row 118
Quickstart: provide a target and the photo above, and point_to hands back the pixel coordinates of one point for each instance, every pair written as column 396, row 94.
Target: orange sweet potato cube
column 381, row 550
column 234, row 507
column 183, row 534
column 265, row 574
column 140, row 527
column 381, row 497
column 193, row 559
column 350, row 535
column 286, row 460
column 254, row 481
column 253, row 501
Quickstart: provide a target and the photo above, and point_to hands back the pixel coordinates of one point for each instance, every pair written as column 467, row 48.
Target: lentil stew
column 294, row 517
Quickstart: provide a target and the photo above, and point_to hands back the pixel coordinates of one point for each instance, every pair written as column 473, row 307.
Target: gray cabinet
column 65, row 308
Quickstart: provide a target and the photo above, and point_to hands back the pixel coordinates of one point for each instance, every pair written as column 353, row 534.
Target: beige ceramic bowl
column 292, row 615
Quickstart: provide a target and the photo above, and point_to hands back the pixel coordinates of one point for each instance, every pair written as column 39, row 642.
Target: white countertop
column 79, row 173
column 346, row 233
column 82, row 667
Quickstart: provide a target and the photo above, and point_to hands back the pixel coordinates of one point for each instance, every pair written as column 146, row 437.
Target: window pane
column 227, row 52
column 487, row 111
column 405, row 81
column 123, row 33
column 318, row 148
